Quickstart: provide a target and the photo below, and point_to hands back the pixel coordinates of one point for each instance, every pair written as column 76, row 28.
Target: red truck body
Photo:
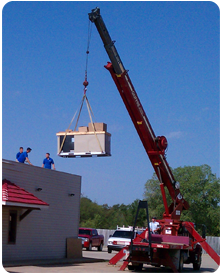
column 91, row 238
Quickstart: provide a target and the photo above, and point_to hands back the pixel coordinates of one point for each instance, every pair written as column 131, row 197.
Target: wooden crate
column 83, row 129
column 98, row 127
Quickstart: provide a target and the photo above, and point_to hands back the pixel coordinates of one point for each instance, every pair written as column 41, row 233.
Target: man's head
column 47, row 155
column 154, row 219
column 21, row 149
column 29, row 150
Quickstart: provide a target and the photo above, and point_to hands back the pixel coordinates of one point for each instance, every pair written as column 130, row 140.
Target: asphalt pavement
column 93, row 262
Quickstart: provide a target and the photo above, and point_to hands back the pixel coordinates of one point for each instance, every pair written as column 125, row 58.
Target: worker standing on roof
column 19, row 153
column 47, row 162
column 24, row 156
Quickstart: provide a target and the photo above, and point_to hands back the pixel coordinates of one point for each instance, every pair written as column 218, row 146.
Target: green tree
column 118, row 216
column 199, row 187
column 90, row 213
column 152, row 194
column 102, row 216
column 132, row 211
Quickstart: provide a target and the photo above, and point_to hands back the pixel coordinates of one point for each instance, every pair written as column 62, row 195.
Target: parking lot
column 90, row 264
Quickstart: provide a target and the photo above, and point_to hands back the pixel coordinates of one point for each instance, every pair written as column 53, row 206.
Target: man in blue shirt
column 19, row 153
column 24, row 156
column 47, row 162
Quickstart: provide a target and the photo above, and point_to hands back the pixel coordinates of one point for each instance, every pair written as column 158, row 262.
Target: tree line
column 198, row 185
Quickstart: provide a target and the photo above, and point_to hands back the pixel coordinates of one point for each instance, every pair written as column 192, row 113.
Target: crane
column 154, row 146
column 178, row 241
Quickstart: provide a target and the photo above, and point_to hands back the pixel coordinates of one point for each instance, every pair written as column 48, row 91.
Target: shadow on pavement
column 167, row 270
column 12, row 272
column 53, row 263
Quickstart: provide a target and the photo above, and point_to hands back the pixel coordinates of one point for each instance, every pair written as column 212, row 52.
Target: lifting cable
column 67, row 130
column 85, row 83
column 89, row 108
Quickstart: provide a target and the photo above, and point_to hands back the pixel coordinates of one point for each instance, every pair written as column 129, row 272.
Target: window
column 122, row 234
column 94, row 232
column 12, row 227
column 84, row 231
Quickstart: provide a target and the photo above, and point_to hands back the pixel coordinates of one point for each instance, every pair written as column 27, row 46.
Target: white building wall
column 43, row 233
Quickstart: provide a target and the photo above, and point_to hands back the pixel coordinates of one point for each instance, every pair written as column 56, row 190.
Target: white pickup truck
column 121, row 238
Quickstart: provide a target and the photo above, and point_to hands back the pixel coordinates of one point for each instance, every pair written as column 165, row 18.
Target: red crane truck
column 178, row 242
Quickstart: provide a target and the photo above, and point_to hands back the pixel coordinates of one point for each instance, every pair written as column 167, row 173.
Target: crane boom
column 154, row 146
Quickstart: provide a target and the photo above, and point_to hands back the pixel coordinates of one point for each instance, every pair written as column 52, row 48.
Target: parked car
column 121, row 238
column 90, row 238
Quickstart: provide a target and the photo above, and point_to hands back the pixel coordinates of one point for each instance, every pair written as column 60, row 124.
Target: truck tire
column 90, row 247
column 197, row 264
column 138, row 267
column 135, row 267
column 181, row 261
column 100, row 247
column 130, row 267
column 109, row 250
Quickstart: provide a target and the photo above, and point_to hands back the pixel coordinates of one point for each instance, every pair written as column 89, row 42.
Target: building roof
column 12, row 195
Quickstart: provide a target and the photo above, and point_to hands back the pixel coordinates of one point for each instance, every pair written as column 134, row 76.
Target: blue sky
column 171, row 50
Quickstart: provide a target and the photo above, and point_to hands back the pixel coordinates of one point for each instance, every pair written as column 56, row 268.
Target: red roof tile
column 13, row 193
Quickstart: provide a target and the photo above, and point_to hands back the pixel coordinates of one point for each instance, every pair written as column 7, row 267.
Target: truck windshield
column 122, row 234
column 84, row 231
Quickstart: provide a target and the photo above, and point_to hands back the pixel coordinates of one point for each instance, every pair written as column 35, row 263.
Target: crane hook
column 85, row 83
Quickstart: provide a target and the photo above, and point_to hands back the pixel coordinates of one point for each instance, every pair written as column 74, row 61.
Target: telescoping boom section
column 177, row 242
column 154, row 146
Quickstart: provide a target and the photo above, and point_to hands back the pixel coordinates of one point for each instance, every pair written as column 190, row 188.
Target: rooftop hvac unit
column 93, row 140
